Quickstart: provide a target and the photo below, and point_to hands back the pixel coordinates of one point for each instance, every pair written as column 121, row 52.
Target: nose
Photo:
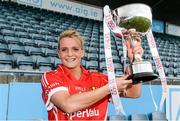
column 70, row 53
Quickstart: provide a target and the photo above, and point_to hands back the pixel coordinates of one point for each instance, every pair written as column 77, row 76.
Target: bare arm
column 71, row 103
column 133, row 91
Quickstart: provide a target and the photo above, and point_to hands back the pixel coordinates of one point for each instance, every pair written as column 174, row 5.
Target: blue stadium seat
column 53, row 45
column 4, row 48
column 50, row 52
column 92, row 56
column 27, row 42
column 93, row 49
column 33, row 50
column 2, row 40
column 114, row 52
column 36, row 36
column 8, row 32
column 19, row 28
column 14, row 22
column 35, row 25
column 175, row 72
column 118, row 67
column 5, row 26
column 24, row 63
column 11, row 40
column 171, row 72
column 44, row 63
column 14, row 48
column 102, row 57
column 83, row 62
column 116, row 58
column 44, row 32
column 3, row 20
column 22, row 34
column 118, row 73
column 22, row 19
column 178, row 72
column 92, row 65
column 166, row 63
column 42, row 44
column 102, row 66
column 32, row 30
column 51, row 38
column 94, row 44
column 147, row 57
column 101, row 50
column 26, row 25
column 6, row 61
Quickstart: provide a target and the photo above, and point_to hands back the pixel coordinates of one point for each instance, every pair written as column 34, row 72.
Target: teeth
column 70, row 60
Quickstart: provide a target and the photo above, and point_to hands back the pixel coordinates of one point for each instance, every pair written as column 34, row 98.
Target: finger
column 126, row 82
column 128, row 71
column 123, row 87
column 128, row 42
column 124, row 77
column 138, row 39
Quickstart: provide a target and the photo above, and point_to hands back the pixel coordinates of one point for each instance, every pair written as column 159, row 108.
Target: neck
column 76, row 72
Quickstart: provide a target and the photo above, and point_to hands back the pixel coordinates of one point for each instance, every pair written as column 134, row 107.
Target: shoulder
column 98, row 75
column 52, row 75
column 53, row 79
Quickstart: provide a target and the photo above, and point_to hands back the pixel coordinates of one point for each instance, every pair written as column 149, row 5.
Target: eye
column 76, row 49
column 63, row 49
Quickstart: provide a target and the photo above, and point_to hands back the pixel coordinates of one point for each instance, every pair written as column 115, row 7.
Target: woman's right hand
column 123, row 83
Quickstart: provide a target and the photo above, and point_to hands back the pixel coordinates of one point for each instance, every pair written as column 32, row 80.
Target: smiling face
column 70, row 52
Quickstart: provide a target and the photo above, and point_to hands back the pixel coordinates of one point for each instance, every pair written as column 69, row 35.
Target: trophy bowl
column 136, row 17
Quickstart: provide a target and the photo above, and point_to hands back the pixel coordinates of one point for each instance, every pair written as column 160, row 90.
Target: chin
column 72, row 66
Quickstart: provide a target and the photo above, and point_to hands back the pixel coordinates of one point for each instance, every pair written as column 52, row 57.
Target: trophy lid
column 134, row 9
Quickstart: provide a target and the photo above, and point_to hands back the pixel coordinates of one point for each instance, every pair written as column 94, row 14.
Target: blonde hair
column 71, row 33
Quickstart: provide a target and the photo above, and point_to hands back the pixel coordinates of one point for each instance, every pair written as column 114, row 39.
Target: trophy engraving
column 135, row 20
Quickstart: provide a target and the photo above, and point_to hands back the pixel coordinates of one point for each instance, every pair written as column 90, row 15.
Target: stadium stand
column 25, row 27
column 28, row 43
column 6, row 61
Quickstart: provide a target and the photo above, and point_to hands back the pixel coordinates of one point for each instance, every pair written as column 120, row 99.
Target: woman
column 73, row 93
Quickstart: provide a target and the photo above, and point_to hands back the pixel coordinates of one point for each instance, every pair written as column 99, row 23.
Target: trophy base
column 142, row 72
column 143, row 77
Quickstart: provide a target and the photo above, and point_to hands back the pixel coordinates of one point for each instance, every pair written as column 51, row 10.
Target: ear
column 58, row 54
column 82, row 54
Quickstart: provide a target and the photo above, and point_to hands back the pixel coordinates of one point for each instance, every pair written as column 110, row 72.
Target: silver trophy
column 135, row 20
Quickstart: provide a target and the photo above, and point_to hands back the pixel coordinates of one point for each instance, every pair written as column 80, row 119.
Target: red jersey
column 61, row 79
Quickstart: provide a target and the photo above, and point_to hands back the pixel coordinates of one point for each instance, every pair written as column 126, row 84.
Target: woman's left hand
column 134, row 48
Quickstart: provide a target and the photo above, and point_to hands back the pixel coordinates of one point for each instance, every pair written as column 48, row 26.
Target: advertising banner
column 68, row 7
column 173, row 103
column 172, row 29
column 158, row 26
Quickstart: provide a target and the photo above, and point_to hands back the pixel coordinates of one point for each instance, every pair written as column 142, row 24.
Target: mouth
column 70, row 60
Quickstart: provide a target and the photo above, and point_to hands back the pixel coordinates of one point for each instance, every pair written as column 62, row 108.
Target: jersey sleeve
column 99, row 78
column 51, row 83
column 104, row 79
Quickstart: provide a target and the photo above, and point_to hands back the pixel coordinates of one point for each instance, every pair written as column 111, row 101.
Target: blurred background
column 29, row 31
